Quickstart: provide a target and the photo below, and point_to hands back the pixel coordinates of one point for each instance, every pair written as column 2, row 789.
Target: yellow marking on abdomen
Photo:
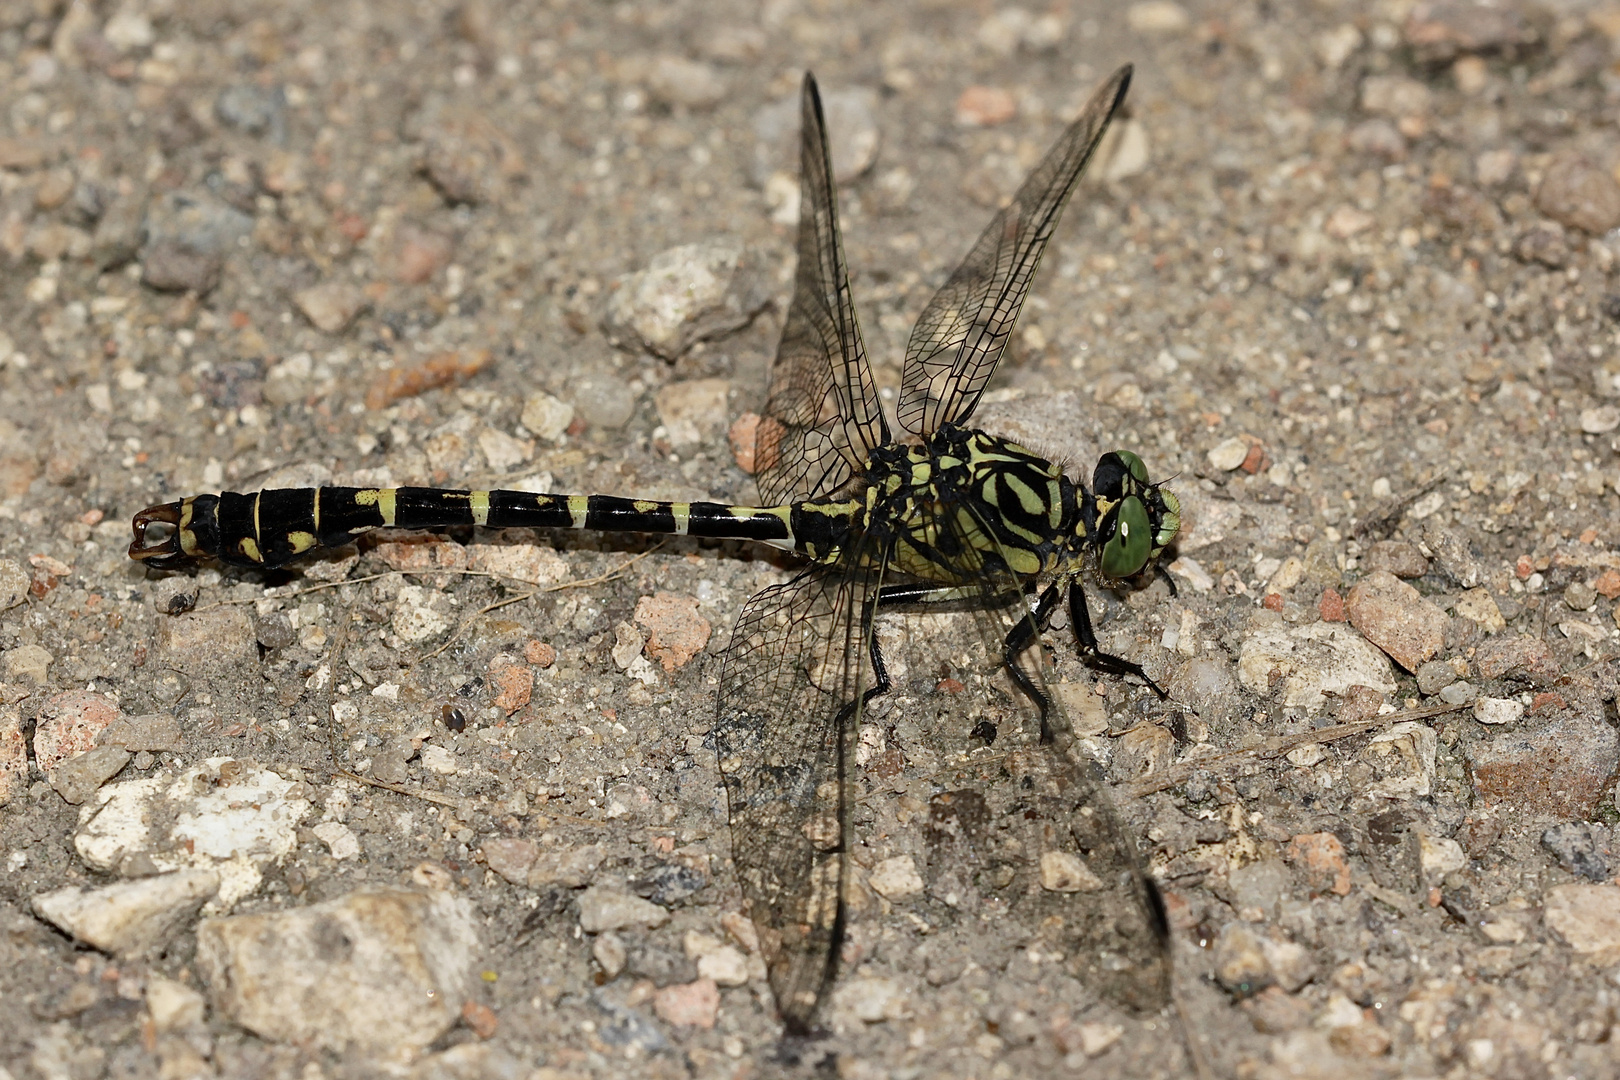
column 387, row 506
column 300, row 541
column 249, row 549
column 644, row 506
column 478, row 501
column 578, row 510
column 681, row 512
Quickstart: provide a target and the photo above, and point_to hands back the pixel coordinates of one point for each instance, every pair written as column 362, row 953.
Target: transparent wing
column 1027, row 839
column 788, row 694
column 821, row 416
column 959, row 338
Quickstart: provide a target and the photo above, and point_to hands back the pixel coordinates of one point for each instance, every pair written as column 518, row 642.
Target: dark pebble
column 254, row 110
column 1543, row 243
column 1581, row 195
column 1581, row 849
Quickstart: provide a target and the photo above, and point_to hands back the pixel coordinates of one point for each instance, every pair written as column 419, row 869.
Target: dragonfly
column 943, row 518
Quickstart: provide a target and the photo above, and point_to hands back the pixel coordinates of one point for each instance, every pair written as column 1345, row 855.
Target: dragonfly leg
column 1114, row 665
column 1019, row 639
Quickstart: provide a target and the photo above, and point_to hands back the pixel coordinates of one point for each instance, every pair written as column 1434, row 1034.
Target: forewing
column 792, row 675
column 821, row 416
column 959, row 338
column 1031, row 834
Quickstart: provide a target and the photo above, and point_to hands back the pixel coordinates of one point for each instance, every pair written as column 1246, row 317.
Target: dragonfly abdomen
column 270, row 528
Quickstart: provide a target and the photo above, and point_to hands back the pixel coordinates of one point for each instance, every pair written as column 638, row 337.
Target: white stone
column 1229, row 454
column 1195, row 575
column 339, row 838
column 872, row 998
column 1440, row 855
column 726, row 965
column 421, row 614
column 219, row 815
column 437, row 759
column 896, row 878
column 545, row 416
column 129, row 919
column 1132, row 152
column 1491, row 710
column 1313, row 661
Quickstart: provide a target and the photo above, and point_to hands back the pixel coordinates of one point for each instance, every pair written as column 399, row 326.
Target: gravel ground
column 447, row 808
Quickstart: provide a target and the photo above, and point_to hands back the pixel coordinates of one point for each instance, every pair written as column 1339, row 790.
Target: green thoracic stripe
column 268, row 528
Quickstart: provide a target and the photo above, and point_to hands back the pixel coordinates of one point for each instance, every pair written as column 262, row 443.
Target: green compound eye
column 1138, row 470
column 1126, row 552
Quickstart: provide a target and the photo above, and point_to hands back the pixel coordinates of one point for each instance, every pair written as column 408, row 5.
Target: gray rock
column 685, row 295
column 571, row 867
column 602, row 908
column 1579, row 596
column 1291, row 963
column 1544, row 243
column 78, row 777
column 1519, row 657
column 14, row 583
column 694, row 410
column 1438, row 33
column 149, row 731
column 254, row 110
column 129, row 919
column 1560, row 769
column 1459, row 693
column 13, row 755
column 187, row 241
column 1435, row 676
column 1582, row 848
column 1452, row 555
column 660, row 965
column 1260, row 885
column 1397, row 557
column 627, row 1028
column 381, row 971
column 603, row 402
column 26, row 663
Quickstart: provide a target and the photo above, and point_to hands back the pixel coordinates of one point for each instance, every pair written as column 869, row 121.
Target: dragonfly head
column 1136, row 519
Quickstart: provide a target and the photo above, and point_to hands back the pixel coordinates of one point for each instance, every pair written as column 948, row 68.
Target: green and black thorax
column 964, row 503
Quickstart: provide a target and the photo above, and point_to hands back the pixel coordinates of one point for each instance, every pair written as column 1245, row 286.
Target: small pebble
column 331, row 306
column 694, row 411
column 609, row 953
column 1546, row 244
column 896, row 878
column 694, row 1004
column 872, row 998
column 1322, row 858
column 545, row 416
column 1434, row 676
column 676, row 80
column 1460, row 693
column 1228, row 455
column 173, row 1006
column 1157, row 17
column 1582, row 848
column 601, row 908
column 1440, row 32
column 675, row 631
column 1580, row 194
column 1490, row 710
column 686, row 294
column 1579, row 596
column 1240, row 961
column 396, row 984
column 985, row 106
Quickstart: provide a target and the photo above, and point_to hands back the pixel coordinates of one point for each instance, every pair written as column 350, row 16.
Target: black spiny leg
column 1019, row 639
column 1114, row 665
